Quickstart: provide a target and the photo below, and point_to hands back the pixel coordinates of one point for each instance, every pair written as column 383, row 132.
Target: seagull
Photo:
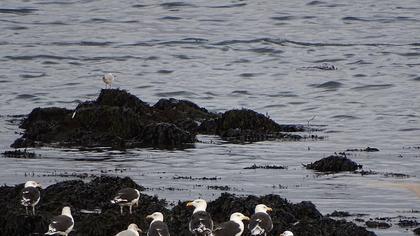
column 108, row 78
column 260, row 223
column 62, row 224
column 201, row 223
column 132, row 230
column 30, row 195
column 233, row 227
column 157, row 226
column 287, row 233
column 127, row 197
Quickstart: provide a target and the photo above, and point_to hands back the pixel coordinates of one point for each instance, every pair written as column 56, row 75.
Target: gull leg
column 121, row 209
column 131, row 206
column 27, row 213
column 33, row 210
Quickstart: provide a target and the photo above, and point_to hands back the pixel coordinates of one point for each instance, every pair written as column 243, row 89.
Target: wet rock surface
column 121, row 120
column 334, row 163
column 95, row 215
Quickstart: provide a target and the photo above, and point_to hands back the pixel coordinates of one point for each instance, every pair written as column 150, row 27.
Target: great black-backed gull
column 260, row 223
column 30, row 195
column 108, row 78
column 132, row 230
column 233, row 227
column 157, row 226
column 62, row 224
column 201, row 223
column 287, row 233
column 127, row 197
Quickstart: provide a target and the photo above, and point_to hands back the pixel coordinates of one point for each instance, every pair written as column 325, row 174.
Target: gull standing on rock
column 132, row 230
column 62, row 224
column 127, row 197
column 287, row 233
column 201, row 223
column 260, row 223
column 157, row 226
column 108, row 78
column 30, row 195
column 233, row 227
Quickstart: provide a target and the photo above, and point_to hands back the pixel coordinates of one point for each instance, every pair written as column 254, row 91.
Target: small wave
column 266, row 50
column 359, row 62
column 409, row 129
column 18, row 11
column 34, row 57
column 165, row 71
column 348, row 117
column 328, row 85
column 244, row 92
column 170, row 18
column 229, row 6
column 248, row 75
column 416, row 79
column 283, row 94
column 275, row 106
column 27, row 96
column 315, row 3
column 175, row 93
column 185, row 41
column 359, row 75
column 409, row 54
column 283, row 18
column 33, row 75
column 139, row 6
column 176, row 4
column 373, row 87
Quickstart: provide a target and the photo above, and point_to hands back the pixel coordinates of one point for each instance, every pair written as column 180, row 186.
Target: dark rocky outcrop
column 377, row 224
column 19, row 154
column 120, row 120
column 248, row 126
column 416, row 231
column 334, row 163
column 302, row 218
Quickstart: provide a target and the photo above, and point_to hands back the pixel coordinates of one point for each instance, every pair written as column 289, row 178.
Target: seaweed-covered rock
column 116, row 119
column 19, row 154
column 377, row 224
column 81, row 197
column 248, row 126
column 103, row 218
column 121, row 120
column 334, row 163
column 302, row 218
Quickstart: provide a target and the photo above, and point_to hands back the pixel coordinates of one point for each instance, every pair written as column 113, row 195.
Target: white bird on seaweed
column 201, row 223
column 30, row 195
column 233, row 227
column 127, row 197
column 132, row 230
column 157, row 226
column 108, row 78
column 287, row 233
column 260, row 223
column 62, row 224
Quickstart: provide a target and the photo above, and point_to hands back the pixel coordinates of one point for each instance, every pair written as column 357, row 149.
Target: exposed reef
column 95, row 215
column 334, row 163
column 121, row 120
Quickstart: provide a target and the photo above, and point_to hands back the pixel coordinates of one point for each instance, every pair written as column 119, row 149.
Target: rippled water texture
column 262, row 55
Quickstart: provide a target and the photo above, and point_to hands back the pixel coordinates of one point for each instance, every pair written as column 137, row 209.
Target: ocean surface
column 270, row 56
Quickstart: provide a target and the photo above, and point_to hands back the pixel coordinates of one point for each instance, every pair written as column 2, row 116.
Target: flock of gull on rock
column 200, row 224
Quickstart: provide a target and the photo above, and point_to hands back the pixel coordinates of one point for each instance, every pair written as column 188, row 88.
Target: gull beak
column 189, row 204
column 245, row 218
column 269, row 209
column 139, row 230
column 38, row 185
column 149, row 217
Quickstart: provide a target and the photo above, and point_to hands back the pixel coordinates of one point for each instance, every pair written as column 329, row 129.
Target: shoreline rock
column 120, row 120
column 334, row 164
column 95, row 215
